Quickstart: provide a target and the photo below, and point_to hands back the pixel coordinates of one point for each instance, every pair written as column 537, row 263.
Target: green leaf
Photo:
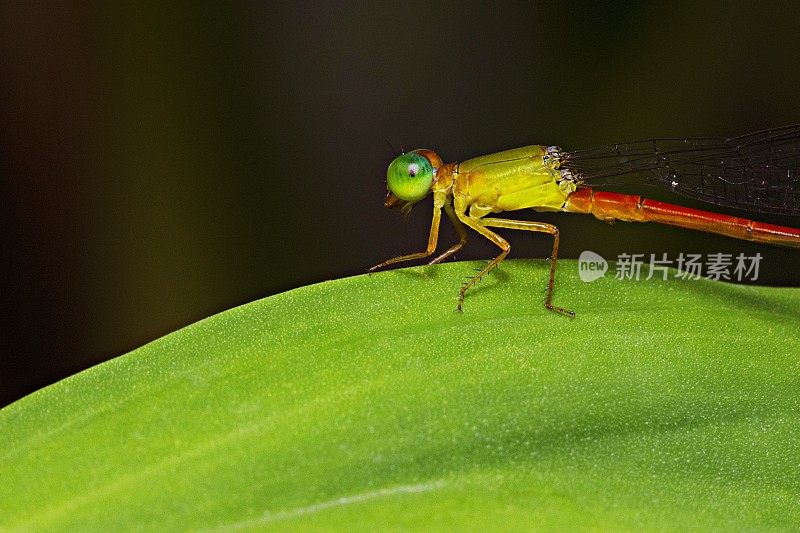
column 367, row 402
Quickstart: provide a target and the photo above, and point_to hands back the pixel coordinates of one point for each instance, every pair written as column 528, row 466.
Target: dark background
column 164, row 163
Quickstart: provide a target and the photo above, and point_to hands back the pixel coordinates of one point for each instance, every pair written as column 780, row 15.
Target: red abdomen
column 632, row 208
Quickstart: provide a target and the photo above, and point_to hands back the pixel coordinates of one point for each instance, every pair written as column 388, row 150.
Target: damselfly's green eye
column 410, row 177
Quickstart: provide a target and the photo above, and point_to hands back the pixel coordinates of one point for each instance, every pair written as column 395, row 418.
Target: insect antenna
column 391, row 146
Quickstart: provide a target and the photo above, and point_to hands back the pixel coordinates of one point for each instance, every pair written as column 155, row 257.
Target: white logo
column 591, row 266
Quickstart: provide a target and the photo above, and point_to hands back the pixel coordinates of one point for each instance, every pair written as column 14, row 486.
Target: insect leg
column 501, row 243
column 462, row 235
column 433, row 239
column 544, row 228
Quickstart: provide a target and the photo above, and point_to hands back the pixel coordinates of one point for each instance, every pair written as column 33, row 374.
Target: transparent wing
column 756, row 172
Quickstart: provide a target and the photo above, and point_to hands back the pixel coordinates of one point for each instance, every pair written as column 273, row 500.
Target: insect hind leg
column 542, row 227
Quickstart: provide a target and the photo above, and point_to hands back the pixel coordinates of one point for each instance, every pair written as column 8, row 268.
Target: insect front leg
column 433, row 238
column 462, row 235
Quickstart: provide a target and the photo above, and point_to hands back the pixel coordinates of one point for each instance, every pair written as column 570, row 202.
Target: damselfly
column 759, row 172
